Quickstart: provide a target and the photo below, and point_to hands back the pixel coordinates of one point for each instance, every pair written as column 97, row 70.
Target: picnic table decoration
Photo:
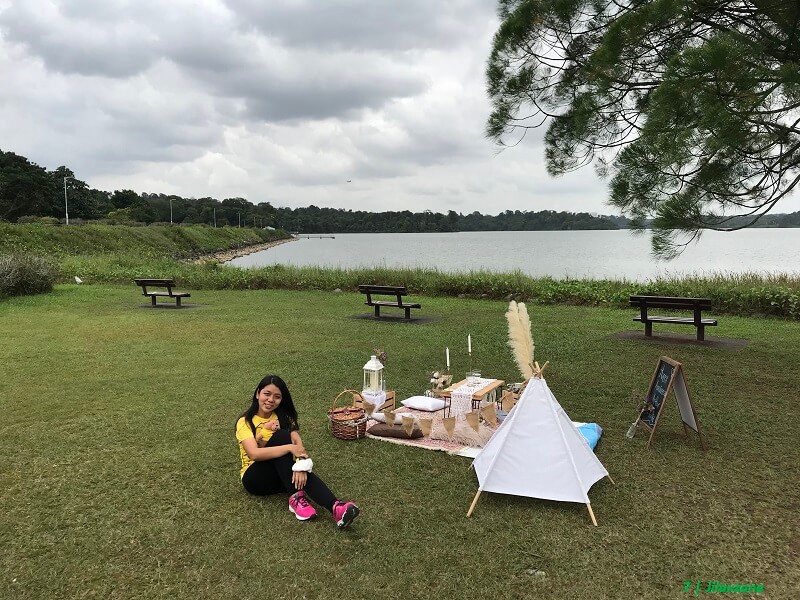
column 439, row 380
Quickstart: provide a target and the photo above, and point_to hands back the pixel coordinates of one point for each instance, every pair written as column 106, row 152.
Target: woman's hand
column 299, row 479
column 298, row 451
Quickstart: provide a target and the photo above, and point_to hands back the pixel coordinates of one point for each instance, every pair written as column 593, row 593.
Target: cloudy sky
column 280, row 100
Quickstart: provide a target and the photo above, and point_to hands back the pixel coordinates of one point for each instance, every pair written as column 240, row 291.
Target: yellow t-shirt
column 243, row 432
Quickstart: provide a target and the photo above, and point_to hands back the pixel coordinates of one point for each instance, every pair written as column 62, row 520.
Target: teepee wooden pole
column 591, row 514
column 537, row 370
column 544, row 366
column 475, row 501
column 611, row 480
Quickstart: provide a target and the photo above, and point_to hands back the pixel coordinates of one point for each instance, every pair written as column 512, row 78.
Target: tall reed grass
column 748, row 294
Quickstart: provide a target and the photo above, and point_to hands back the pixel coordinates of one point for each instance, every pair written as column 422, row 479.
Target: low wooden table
column 488, row 393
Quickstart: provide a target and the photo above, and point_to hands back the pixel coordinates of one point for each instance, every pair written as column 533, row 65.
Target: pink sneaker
column 344, row 513
column 299, row 506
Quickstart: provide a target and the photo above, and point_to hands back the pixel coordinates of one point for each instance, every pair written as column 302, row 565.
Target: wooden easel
column 669, row 376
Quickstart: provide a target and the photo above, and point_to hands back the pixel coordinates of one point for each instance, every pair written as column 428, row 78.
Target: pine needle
column 520, row 339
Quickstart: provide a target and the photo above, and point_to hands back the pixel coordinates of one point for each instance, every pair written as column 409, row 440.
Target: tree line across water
column 28, row 192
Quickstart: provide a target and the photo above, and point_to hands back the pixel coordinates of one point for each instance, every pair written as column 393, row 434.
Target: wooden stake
column 591, row 514
column 475, row 501
column 611, row 480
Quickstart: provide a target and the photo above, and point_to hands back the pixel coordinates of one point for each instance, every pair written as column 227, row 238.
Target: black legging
column 274, row 476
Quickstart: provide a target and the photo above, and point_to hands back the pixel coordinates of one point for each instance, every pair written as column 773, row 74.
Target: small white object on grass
column 78, row 279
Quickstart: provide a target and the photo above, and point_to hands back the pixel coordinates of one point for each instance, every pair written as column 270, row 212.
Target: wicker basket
column 348, row 422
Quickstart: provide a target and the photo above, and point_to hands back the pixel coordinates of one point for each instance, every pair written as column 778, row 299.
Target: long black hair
column 286, row 412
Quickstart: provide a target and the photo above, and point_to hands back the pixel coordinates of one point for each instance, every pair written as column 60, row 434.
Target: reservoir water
column 560, row 254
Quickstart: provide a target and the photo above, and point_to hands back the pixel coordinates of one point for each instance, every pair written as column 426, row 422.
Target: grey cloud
column 409, row 157
column 311, row 86
column 321, row 100
column 273, row 81
column 404, row 25
column 430, row 137
column 104, row 39
column 118, row 49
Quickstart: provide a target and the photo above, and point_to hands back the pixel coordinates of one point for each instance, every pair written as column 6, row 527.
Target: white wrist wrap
column 304, row 464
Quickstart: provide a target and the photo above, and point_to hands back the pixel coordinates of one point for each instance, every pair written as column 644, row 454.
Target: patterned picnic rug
column 590, row 431
column 426, row 442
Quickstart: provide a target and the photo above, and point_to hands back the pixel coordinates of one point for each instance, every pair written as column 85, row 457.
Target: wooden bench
column 161, row 283
column 387, row 290
column 696, row 305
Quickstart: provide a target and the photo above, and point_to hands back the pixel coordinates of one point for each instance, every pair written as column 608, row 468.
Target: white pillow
column 424, row 403
column 381, row 417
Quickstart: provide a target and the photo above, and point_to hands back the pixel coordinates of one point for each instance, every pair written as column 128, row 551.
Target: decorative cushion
column 424, row 403
column 591, row 433
column 380, row 417
column 383, row 430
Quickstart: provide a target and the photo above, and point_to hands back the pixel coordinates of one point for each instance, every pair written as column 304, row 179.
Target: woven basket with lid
column 348, row 422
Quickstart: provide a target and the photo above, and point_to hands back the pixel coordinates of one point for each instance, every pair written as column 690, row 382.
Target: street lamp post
column 66, row 206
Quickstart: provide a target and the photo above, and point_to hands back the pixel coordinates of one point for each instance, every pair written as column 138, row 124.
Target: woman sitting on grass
column 273, row 455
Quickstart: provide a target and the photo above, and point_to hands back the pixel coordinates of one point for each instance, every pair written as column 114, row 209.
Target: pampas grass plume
column 520, row 338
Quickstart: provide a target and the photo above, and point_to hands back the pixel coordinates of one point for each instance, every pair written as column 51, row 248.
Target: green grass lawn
column 119, row 469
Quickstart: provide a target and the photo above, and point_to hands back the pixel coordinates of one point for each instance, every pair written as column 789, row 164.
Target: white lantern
column 373, row 376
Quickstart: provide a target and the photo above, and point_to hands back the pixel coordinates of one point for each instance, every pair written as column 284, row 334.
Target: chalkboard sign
column 659, row 388
column 668, row 376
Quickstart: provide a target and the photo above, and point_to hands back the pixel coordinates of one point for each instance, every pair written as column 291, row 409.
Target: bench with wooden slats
column 387, row 290
column 696, row 305
column 169, row 284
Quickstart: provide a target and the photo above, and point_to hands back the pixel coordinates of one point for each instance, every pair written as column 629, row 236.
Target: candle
column 469, row 344
column 447, row 357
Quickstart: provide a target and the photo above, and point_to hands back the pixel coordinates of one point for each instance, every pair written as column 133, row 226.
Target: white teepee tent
column 538, row 452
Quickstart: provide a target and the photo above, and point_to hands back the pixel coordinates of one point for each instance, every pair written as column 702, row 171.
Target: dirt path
column 227, row 255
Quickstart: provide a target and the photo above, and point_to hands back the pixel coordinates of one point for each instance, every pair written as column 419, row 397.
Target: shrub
column 41, row 220
column 25, row 274
column 120, row 216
